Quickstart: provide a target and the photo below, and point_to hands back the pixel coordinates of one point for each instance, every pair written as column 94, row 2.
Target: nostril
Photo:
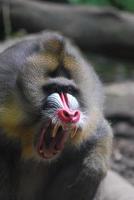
column 66, row 114
column 76, row 116
column 69, row 116
column 76, row 113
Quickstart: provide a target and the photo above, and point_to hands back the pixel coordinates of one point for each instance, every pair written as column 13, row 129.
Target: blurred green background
column 122, row 4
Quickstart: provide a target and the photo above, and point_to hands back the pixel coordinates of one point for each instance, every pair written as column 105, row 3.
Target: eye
column 49, row 89
column 70, row 89
column 56, row 88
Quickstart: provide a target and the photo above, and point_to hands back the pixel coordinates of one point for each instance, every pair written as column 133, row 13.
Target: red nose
column 69, row 116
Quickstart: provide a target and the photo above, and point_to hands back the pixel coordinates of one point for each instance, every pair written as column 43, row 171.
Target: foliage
column 95, row 2
column 127, row 4
column 121, row 4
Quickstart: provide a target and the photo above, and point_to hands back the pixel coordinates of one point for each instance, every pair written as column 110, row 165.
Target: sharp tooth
column 55, row 129
column 74, row 131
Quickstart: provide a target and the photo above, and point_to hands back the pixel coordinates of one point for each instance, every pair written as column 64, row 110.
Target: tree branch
column 100, row 30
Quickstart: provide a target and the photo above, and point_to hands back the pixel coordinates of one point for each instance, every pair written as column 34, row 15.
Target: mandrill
column 55, row 143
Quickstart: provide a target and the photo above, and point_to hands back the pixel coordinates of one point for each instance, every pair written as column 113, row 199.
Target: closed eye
column 56, row 88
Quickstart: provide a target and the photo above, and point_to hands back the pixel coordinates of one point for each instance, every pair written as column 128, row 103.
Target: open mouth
column 53, row 138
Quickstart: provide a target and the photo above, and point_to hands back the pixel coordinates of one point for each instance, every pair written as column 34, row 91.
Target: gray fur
column 78, row 171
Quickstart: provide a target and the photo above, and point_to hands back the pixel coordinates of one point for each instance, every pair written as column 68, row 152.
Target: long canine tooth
column 55, row 129
column 74, row 132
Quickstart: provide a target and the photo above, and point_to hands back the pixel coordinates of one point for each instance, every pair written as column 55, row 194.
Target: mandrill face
column 63, row 119
column 52, row 97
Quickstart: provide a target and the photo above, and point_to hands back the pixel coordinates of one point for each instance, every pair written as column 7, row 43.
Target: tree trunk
column 100, row 30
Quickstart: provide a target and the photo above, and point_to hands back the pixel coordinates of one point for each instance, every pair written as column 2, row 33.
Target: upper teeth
column 55, row 130
column 73, row 130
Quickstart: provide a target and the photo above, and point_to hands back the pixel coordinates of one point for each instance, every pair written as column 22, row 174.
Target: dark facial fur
column 51, row 104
